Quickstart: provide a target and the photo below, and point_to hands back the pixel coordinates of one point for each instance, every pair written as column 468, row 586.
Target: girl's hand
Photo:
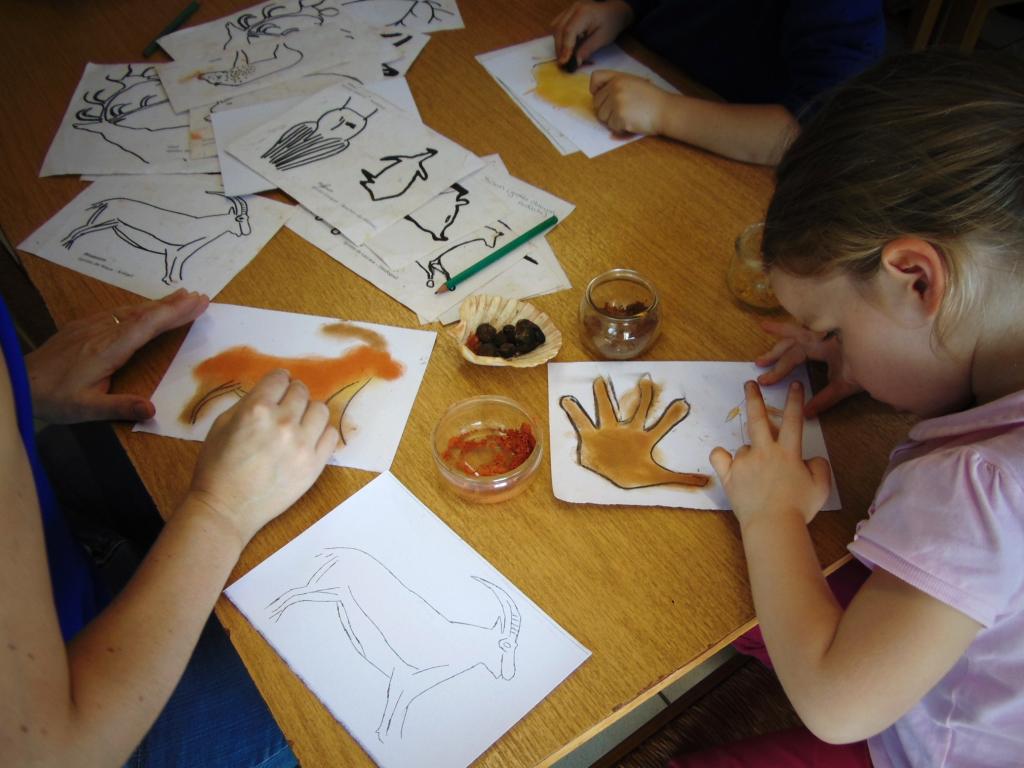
column 769, row 477
column 70, row 374
column 797, row 344
column 262, row 454
column 594, row 23
column 627, row 103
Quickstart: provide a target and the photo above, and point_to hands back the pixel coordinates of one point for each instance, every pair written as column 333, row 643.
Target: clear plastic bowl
column 474, row 418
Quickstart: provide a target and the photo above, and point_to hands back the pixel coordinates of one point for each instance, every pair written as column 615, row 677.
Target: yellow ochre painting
column 560, row 89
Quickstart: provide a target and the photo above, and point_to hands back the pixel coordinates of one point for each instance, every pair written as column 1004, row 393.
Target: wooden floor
column 741, row 699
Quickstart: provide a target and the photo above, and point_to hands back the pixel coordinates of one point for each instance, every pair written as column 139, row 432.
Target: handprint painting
column 640, row 432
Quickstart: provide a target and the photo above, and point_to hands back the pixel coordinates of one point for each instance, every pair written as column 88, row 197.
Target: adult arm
column 89, row 703
column 751, row 133
column 852, row 673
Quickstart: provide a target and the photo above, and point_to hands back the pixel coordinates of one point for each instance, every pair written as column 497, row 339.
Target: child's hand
column 797, row 344
column 627, row 103
column 769, row 477
column 70, row 374
column 262, row 454
column 595, row 24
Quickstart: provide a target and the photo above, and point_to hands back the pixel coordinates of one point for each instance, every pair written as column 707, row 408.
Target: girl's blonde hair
column 928, row 144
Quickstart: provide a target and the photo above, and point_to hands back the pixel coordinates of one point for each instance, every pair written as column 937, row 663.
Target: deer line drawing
column 333, row 380
column 276, row 20
column 399, row 633
column 175, row 235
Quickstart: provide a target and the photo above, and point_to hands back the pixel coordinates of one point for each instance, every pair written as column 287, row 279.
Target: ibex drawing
column 174, row 235
column 411, row 643
column 333, row 380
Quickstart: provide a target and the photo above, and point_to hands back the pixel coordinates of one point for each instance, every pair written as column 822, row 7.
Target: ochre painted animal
column 334, row 380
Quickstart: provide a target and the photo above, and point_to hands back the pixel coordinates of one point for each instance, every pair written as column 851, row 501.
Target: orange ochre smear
column 559, row 88
column 490, row 451
column 348, row 331
column 238, row 369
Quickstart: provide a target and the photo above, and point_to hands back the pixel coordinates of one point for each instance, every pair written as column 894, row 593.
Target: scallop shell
column 499, row 311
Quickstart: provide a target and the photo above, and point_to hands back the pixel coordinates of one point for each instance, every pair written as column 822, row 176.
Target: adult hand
column 769, row 477
column 262, row 454
column 622, row 450
column 797, row 344
column 70, row 374
column 627, row 103
column 595, row 24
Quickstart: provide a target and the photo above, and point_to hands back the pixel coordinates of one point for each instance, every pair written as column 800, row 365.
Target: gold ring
column 117, row 320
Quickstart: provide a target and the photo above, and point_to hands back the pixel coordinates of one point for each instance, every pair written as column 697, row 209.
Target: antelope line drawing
column 333, row 380
column 174, row 235
column 399, row 633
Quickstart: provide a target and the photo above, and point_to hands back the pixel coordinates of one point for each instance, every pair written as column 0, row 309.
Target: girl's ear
column 914, row 278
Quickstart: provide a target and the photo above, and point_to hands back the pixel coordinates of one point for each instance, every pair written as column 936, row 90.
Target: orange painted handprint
column 622, row 451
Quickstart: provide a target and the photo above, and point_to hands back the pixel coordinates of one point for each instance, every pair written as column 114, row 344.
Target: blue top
column 74, row 588
column 765, row 51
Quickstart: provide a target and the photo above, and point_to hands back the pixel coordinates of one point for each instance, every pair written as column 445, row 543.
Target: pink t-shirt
column 948, row 519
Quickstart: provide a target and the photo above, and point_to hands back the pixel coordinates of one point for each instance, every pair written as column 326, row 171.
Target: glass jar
column 620, row 315
column 747, row 279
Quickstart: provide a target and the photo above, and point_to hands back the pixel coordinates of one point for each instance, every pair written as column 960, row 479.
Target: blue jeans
column 215, row 717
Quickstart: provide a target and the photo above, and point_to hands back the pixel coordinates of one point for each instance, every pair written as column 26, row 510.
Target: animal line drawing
column 435, row 267
column 431, row 8
column 622, row 450
column 333, row 380
column 243, row 71
column 394, row 179
column 277, row 20
column 313, row 140
column 394, row 628
column 436, row 216
column 174, row 235
column 126, row 113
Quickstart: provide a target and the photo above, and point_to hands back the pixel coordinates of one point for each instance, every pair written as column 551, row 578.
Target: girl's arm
column 852, row 673
column 752, row 133
column 90, row 703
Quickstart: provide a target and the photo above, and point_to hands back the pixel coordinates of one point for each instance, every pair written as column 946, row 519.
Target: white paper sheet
column 230, row 124
column 713, row 391
column 154, row 234
column 217, row 73
column 354, row 159
column 417, row 15
column 416, row 644
column 119, row 121
column 415, row 285
column 368, row 374
column 513, row 66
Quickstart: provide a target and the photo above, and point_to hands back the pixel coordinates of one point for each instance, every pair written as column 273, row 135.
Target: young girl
column 896, row 238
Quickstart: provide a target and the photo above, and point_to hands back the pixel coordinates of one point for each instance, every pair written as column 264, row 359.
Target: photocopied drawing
column 422, row 650
column 390, row 639
column 414, row 283
column 120, row 121
column 446, row 218
column 368, row 375
column 559, row 99
column 154, row 234
column 214, row 74
column 639, row 432
column 416, row 15
column 354, row 159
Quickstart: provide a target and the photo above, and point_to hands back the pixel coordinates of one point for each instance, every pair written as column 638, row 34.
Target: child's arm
column 848, row 674
column 752, row 133
column 590, row 24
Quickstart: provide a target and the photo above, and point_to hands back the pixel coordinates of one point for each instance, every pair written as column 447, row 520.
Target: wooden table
column 652, row 592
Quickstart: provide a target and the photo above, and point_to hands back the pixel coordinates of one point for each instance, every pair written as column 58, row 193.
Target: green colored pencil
column 178, row 20
column 449, row 285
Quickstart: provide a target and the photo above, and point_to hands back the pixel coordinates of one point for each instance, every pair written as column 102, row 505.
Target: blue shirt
column 74, row 588
column 764, row 52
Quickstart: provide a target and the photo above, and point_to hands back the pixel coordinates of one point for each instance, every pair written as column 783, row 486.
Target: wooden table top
column 652, row 592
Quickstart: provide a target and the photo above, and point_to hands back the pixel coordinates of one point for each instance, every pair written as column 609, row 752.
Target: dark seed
column 486, row 332
column 487, row 350
column 507, row 350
